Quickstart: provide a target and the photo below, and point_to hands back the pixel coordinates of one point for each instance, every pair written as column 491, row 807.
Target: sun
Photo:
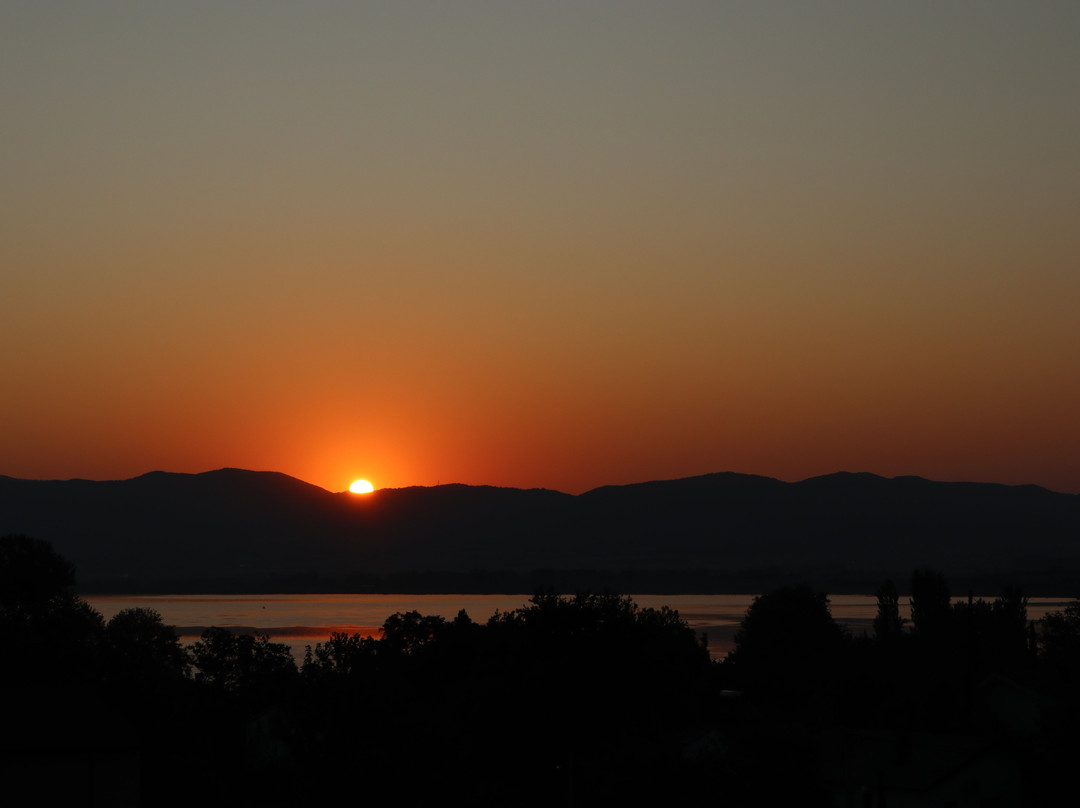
column 361, row 487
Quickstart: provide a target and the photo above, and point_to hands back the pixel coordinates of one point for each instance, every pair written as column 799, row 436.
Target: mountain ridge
column 235, row 525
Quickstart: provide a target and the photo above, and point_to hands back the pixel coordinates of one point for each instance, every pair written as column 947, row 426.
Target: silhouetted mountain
column 721, row 530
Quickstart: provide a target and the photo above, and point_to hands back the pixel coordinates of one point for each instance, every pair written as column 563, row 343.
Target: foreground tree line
column 570, row 699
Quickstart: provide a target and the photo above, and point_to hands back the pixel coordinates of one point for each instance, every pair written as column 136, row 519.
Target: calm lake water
column 302, row 620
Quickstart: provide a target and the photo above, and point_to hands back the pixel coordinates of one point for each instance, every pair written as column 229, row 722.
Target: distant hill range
column 236, row 530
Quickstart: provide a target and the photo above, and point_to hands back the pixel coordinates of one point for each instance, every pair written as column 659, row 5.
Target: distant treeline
column 1049, row 583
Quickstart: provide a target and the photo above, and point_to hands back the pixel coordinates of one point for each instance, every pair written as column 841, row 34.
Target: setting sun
column 361, row 487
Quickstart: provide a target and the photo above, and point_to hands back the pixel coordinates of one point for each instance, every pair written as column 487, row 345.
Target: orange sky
column 550, row 246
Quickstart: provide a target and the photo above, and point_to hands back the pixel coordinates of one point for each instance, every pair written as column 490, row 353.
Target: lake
column 302, row 620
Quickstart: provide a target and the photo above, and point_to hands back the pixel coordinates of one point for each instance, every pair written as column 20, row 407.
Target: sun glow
column 361, row 487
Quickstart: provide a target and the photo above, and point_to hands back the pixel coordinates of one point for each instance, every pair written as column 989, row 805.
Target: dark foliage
column 32, row 575
column 141, row 651
column 931, row 607
column 584, row 699
column 48, row 635
column 888, row 624
column 1059, row 639
column 566, row 695
column 241, row 663
column 788, row 645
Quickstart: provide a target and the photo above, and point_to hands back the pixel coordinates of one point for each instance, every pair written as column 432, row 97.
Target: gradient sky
column 540, row 244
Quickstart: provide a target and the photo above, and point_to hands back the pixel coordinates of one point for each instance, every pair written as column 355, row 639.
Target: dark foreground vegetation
column 571, row 700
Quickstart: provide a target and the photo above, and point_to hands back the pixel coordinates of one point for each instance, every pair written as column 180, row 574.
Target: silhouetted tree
column 931, row 607
column 1059, row 647
column 241, row 662
column 50, row 633
column 587, row 685
column 972, row 630
column 588, row 614
column 1010, row 614
column 1009, row 641
column 341, row 655
column 142, row 652
column 599, row 627
column 32, row 576
column 991, row 636
column 407, row 632
column 787, row 642
column 888, row 624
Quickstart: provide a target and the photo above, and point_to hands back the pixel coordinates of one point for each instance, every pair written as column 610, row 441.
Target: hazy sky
column 540, row 244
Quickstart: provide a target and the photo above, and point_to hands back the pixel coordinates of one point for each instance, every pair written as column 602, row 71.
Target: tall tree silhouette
column 888, row 624
column 1059, row 649
column 50, row 634
column 931, row 607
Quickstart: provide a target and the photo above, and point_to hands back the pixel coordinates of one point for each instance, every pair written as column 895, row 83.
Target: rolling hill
column 233, row 529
